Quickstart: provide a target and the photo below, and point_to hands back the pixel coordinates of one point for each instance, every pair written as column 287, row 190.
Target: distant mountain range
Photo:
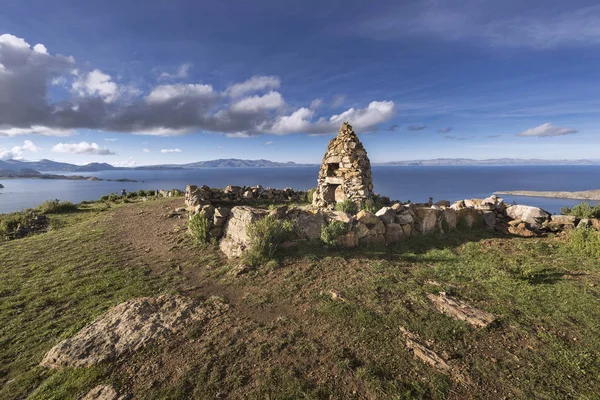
column 13, row 167
column 491, row 161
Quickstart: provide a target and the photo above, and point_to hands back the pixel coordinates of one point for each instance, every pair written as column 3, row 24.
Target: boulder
column 371, row 221
column 129, row 327
column 534, row 216
column 458, row 205
column 443, row 203
column 561, row 222
column 236, row 239
column 393, row 233
column 427, row 220
column 489, row 217
column 348, row 240
column 595, row 223
column 521, row 230
column 404, row 217
column 310, row 225
column 103, row 392
column 338, row 216
column 450, row 218
column 386, row 215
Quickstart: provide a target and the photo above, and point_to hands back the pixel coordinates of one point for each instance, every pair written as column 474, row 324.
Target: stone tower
column 345, row 172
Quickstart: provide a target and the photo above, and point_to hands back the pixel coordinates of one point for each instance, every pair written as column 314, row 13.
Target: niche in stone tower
column 345, row 172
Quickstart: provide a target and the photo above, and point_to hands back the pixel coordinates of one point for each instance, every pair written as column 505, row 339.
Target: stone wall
column 345, row 172
column 195, row 196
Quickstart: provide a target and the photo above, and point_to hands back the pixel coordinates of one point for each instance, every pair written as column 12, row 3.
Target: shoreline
column 62, row 177
column 593, row 195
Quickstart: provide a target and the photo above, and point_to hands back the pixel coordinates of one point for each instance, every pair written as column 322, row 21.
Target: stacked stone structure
column 345, row 172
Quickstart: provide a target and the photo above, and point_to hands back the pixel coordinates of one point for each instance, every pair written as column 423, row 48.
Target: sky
column 142, row 82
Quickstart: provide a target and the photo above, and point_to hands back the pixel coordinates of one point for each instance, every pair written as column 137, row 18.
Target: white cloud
column 547, row 130
column 110, row 139
column 98, row 103
column 96, row 83
column 81, row 148
column 165, row 93
column 269, row 143
column 253, row 84
column 363, row 119
column 17, row 151
column 146, row 150
column 182, row 72
column 268, row 101
column 40, row 48
column 239, row 135
column 171, row 150
column 36, row 129
column 298, row 121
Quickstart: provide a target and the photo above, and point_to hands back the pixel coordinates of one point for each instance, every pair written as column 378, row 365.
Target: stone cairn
column 345, row 172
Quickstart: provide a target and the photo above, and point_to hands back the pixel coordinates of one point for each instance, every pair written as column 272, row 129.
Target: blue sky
column 139, row 82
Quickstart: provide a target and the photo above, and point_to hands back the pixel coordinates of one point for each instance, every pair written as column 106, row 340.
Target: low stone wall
column 195, row 196
column 387, row 226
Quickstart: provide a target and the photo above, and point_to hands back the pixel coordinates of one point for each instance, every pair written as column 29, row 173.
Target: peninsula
column 583, row 195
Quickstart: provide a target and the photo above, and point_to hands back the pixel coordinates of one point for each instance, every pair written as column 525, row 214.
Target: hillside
column 315, row 323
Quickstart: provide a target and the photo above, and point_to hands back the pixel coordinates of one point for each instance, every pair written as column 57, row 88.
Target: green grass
column 284, row 337
column 51, row 285
column 582, row 210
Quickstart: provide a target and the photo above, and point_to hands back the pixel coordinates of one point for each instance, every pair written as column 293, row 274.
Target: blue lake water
column 401, row 183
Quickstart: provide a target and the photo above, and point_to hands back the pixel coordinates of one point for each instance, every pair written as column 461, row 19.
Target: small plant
column 113, row 197
column 310, row 194
column 374, row 205
column 150, row 192
column 266, row 235
column 199, row 227
column 332, row 231
column 104, row 198
column 131, row 195
column 584, row 241
column 56, row 207
column 582, row 210
column 141, row 193
column 346, row 206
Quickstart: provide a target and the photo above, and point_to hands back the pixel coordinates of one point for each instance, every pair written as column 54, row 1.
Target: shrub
column 199, row 227
column 266, row 235
column 584, row 241
column 10, row 222
column 346, row 206
column 113, row 197
column 56, row 207
column 582, row 210
column 332, row 231
column 104, row 198
column 310, row 194
column 374, row 205
column 150, row 193
column 131, row 195
column 141, row 193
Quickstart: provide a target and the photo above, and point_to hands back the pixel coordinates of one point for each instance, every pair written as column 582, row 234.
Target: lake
column 401, row 183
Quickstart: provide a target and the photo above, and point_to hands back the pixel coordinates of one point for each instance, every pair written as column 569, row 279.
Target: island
column 583, row 195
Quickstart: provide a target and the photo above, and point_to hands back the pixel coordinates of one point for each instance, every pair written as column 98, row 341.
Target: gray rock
column 129, row 327
column 236, row 239
column 103, row 392
column 534, row 216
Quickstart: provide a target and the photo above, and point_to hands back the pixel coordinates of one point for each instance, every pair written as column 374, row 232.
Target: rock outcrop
column 129, row 327
column 534, row 216
column 238, row 195
column 345, row 172
column 236, row 239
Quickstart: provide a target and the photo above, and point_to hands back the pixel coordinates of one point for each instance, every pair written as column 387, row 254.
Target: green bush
column 141, row 193
column 113, row 197
column 104, row 198
column 332, row 231
column 374, row 205
column 150, row 193
column 131, row 195
column 582, row 210
column 584, row 241
column 266, row 235
column 310, row 194
column 10, row 222
column 56, row 207
column 346, row 206
column 199, row 227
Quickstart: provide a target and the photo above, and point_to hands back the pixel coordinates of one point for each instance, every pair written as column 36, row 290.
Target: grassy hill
column 286, row 335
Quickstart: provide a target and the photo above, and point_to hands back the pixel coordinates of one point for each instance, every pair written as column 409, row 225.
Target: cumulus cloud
column 251, row 104
column 416, row 127
column 98, row 102
column 547, row 130
column 253, row 84
column 96, row 83
column 81, row 148
column 316, row 103
column 171, row 150
column 17, row 151
column 182, row 72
